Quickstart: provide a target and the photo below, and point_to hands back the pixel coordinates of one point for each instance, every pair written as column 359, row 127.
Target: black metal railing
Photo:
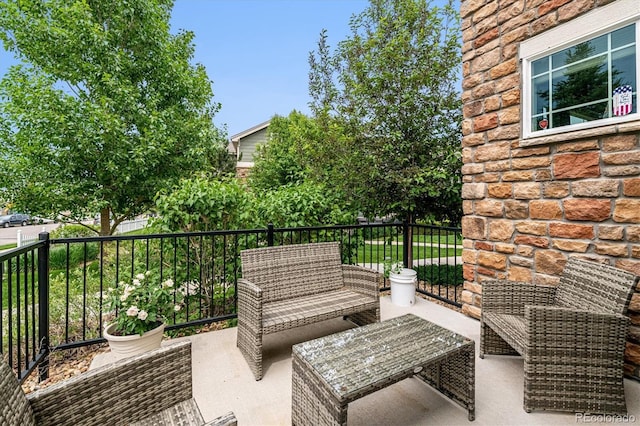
column 206, row 265
column 24, row 326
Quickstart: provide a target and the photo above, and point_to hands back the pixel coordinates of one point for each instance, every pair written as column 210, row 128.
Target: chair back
column 595, row 287
column 285, row 272
column 14, row 407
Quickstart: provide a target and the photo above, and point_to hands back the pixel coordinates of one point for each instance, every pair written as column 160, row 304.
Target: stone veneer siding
column 530, row 206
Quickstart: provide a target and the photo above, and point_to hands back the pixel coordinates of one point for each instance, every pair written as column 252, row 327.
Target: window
column 589, row 80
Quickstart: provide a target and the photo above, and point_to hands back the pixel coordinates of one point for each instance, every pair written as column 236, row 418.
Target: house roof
column 236, row 138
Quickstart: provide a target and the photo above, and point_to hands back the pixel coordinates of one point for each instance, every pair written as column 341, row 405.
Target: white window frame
column 599, row 21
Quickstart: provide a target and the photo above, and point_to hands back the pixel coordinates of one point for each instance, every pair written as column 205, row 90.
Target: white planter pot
column 403, row 287
column 126, row 346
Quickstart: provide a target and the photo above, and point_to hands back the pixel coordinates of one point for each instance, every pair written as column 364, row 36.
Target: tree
column 281, row 161
column 394, row 105
column 286, row 193
column 204, row 204
column 105, row 109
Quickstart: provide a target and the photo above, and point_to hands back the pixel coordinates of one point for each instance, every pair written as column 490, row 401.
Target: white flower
column 168, row 283
column 140, row 276
column 136, row 282
column 124, row 297
column 177, row 308
column 142, row 315
column 147, row 273
column 132, row 311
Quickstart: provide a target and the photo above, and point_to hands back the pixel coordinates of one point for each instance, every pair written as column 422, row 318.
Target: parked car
column 16, row 219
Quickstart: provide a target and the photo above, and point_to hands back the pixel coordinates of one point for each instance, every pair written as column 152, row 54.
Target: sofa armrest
column 249, row 304
column 510, row 297
column 580, row 334
column 121, row 392
column 362, row 280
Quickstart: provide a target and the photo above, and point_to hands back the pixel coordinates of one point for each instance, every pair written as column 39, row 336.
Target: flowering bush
column 143, row 304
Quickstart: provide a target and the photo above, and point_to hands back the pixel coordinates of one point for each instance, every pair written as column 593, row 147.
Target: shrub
column 73, row 231
column 202, row 204
column 76, row 253
column 307, row 204
column 440, row 274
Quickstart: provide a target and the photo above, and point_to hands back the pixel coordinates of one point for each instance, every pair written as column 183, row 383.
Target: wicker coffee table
column 330, row 372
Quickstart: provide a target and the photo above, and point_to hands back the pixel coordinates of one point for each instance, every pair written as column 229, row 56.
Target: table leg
column 312, row 403
column 454, row 377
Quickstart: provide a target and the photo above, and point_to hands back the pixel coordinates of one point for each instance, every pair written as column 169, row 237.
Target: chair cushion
column 299, row 311
column 183, row 413
column 14, row 407
column 512, row 328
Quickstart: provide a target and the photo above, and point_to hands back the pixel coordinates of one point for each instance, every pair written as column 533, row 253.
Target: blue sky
column 256, row 51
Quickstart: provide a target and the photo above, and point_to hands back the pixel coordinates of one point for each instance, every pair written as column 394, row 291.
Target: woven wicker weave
column 330, row 372
column 572, row 336
column 290, row 286
column 153, row 388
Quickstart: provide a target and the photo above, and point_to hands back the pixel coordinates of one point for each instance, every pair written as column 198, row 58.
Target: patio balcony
column 222, row 381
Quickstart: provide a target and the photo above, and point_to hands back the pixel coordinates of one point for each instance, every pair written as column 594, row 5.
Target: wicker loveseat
column 149, row 389
column 290, row 286
column 572, row 336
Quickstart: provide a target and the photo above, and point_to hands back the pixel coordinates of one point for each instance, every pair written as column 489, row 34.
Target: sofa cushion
column 299, row 311
column 512, row 328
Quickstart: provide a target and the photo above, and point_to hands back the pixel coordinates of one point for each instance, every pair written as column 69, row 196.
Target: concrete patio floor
column 222, row 381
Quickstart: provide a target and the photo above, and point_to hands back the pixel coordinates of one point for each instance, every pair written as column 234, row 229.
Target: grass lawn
column 377, row 253
column 425, row 239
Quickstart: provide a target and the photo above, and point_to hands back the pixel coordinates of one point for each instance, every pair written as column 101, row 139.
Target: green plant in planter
column 144, row 303
column 392, row 267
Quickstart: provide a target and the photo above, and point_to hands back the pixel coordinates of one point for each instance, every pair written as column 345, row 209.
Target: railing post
column 19, row 238
column 406, row 243
column 270, row 234
column 43, row 305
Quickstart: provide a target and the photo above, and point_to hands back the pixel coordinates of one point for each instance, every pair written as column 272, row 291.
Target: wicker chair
column 149, row 389
column 572, row 336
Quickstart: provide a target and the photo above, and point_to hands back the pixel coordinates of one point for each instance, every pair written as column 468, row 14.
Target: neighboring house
column 244, row 144
column 551, row 142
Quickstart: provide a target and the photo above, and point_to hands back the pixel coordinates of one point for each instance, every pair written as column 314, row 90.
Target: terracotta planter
column 126, row 346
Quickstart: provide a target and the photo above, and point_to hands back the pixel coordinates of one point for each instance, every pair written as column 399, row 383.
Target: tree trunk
column 105, row 222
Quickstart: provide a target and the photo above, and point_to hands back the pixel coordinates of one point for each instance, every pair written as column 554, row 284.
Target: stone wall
column 529, row 207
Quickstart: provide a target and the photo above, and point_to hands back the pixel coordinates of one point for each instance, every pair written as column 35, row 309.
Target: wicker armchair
column 149, row 389
column 572, row 336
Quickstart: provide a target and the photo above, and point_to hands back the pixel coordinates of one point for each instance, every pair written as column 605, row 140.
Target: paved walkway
column 222, row 381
